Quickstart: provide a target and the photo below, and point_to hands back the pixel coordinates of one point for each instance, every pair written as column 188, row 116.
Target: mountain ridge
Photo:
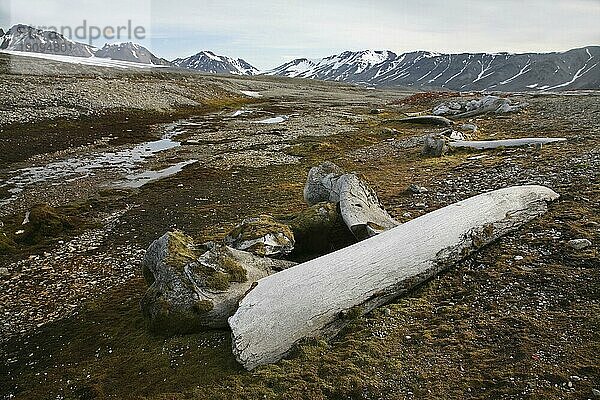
column 572, row 69
column 207, row 61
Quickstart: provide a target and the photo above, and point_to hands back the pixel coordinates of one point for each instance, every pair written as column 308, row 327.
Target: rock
column 596, row 393
column 320, row 229
column 434, row 146
column 389, row 131
column 469, row 127
column 376, row 111
column 414, row 188
column 263, row 236
column 44, row 222
column 579, row 244
column 188, row 291
column 4, row 272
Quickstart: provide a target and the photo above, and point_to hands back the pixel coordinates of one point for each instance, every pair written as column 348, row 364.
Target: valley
column 117, row 157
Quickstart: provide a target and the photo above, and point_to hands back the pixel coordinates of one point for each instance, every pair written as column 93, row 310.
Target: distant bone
column 494, row 144
column 424, row 120
column 471, row 108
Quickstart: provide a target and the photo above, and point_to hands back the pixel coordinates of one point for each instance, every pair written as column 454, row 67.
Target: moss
column 180, row 249
column 203, row 306
column 352, row 313
column 218, row 281
column 45, row 223
column 319, row 230
column 7, row 245
column 259, row 227
column 235, row 271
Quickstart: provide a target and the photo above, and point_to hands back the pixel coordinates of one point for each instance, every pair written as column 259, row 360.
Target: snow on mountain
column 207, row 61
column 28, row 39
column 131, row 52
column 573, row 69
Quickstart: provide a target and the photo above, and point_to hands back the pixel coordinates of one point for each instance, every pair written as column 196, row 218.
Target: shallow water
column 126, row 161
column 275, row 120
column 140, row 179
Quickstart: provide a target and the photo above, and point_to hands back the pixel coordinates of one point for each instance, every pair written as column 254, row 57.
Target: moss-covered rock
column 45, row 222
column 263, row 236
column 191, row 290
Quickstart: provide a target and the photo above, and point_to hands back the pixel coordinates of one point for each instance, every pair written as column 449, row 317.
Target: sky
column 269, row 33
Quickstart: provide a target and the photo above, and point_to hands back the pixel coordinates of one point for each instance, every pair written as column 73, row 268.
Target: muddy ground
column 519, row 319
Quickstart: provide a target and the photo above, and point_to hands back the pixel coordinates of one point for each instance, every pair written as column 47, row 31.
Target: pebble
column 579, row 244
column 417, row 189
column 4, row 272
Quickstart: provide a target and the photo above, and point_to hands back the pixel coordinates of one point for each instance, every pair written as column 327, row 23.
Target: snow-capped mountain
column 130, row 52
column 207, row 61
column 573, row 69
column 29, row 39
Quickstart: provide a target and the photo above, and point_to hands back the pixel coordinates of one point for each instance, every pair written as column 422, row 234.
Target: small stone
column 417, row 189
column 376, row 111
column 579, row 244
column 434, row 146
column 596, row 393
column 4, row 272
column 518, row 258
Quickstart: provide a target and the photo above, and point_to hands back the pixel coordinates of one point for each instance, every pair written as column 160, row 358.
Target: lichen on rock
column 191, row 290
column 263, row 236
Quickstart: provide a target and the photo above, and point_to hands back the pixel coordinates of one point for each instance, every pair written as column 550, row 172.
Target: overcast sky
column 268, row 33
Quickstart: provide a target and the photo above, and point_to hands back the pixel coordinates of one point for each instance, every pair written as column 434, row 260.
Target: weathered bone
column 493, row 144
column 360, row 208
column 311, row 299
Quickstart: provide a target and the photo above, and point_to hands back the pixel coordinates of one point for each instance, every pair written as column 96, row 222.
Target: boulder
column 434, row 146
column 263, row 236
column 190, row 290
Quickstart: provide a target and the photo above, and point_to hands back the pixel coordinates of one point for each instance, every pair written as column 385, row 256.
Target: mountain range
column 573, row 69
column 29, row 39
column 569, row 70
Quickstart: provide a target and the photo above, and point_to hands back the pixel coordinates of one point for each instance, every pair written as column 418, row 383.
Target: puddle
column 274, row 120
column 138, row 180
column 69, row 170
